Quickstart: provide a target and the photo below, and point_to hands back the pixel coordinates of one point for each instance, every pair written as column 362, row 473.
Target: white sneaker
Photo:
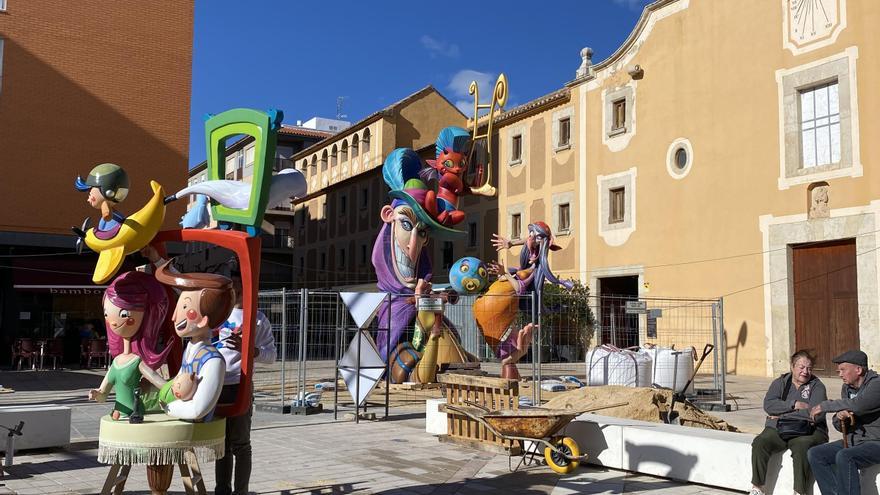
column 756, row 491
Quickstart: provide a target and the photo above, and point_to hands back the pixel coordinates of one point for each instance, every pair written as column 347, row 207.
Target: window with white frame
column 2, row 5
column 560, row 216
column 617, row 206
column 818, row 120
column 516, row 226
column 820, row 125
column 562, row 128
column 564, row 134
column 619, row 116
column 564, row 217
column 516, row 149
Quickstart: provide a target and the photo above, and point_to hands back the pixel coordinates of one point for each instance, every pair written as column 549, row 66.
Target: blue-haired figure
column 448, row 169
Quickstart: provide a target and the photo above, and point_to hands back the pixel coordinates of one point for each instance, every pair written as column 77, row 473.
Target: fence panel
column 570, row 325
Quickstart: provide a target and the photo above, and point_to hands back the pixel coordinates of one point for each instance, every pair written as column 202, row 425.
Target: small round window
column 679, row 158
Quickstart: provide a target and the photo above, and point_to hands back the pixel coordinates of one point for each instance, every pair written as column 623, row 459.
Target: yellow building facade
column 727, row 148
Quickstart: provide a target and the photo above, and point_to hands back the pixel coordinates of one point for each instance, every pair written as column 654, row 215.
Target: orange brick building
column 81, row 83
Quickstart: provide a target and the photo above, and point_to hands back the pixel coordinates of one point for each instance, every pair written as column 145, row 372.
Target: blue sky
column 300, row 56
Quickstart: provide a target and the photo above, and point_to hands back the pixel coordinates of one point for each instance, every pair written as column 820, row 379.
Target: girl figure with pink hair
column 135, row 305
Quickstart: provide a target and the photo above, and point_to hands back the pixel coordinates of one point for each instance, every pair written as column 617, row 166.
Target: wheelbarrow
column 538, row 426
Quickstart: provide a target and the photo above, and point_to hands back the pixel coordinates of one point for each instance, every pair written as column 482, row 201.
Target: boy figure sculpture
column 205, row 301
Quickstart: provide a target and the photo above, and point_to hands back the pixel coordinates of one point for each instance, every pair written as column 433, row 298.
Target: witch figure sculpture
column 403, row 269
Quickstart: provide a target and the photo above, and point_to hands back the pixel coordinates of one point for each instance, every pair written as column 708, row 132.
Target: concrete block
column 435, row 420
column 44, row 426
column 715, row 458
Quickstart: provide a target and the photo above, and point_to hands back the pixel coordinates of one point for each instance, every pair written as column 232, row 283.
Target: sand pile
column 644, row 404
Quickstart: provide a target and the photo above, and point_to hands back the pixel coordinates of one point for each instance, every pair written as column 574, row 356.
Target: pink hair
column 141, row 292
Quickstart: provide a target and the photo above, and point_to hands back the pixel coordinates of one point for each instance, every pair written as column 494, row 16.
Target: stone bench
column 44, row 426
column 716, row 458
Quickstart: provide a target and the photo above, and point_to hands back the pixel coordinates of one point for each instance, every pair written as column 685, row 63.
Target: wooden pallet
column 490, row 392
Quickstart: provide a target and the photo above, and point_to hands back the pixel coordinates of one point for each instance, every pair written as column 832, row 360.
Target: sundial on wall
column 811, row 24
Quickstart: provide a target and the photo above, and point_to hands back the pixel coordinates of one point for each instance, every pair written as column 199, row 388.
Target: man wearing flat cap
column 835, row 466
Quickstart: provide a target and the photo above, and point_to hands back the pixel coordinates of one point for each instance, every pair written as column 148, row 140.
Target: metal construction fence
column 580, row 336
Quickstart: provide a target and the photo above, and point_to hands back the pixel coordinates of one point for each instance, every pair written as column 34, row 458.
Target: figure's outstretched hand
column 495, row 268
column 500, row 242
column 96, row 395
column 816, row 411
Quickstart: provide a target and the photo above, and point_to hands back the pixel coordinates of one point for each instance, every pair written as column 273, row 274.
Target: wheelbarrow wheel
column 557, row 461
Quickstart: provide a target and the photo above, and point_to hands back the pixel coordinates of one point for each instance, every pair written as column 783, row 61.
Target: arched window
column 314, row 163
column 324, row 161
column 305, row 166
column 333, row 152
column 365, row 142
column 354, row 146
column 344, row 151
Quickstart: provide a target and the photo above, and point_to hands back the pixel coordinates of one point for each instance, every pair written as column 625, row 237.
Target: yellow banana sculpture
column 135, row 233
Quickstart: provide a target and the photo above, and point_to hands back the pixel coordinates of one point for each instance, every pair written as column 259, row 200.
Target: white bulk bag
column 608, row 365
column 671, row 368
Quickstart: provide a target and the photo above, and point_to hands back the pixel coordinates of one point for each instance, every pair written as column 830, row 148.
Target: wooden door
column 826, row 302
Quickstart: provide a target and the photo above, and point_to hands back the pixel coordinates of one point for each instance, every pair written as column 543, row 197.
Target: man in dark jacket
column 837, row 468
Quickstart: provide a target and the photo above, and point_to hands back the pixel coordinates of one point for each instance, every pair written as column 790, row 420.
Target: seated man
column 836, row 465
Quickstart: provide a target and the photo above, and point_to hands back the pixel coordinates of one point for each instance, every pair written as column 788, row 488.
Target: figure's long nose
column 413, row 247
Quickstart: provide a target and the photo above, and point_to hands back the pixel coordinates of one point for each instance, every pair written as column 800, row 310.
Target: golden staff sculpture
column 499, row 99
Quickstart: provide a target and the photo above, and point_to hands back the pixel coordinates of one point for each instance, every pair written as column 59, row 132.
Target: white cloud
column 634, row 5
column 461, row 82
column 439, row 48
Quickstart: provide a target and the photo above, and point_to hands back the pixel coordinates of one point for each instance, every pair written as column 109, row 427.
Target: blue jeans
column 837, row 469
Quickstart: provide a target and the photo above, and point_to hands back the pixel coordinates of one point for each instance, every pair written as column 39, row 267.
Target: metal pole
column 304, row 322
column 715, row 343
column 540, row 353
column 613, row 326
column 387, row 362
column 339, row 330
column 10, row 450
column 536, row 358
column 723, row 354
column 283, row 341
column 357, row 383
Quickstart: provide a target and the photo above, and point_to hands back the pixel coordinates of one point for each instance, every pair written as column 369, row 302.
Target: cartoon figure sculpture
column 468, row 276
column 182, row 387
column 447, row 171
column 116, row 236
column 402, row 263
column 205, row 301
column 107, row 185
column 496, row 311
column 135, row 305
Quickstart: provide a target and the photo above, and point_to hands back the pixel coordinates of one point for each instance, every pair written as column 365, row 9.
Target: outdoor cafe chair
column 24, row 349
column 54, row 349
